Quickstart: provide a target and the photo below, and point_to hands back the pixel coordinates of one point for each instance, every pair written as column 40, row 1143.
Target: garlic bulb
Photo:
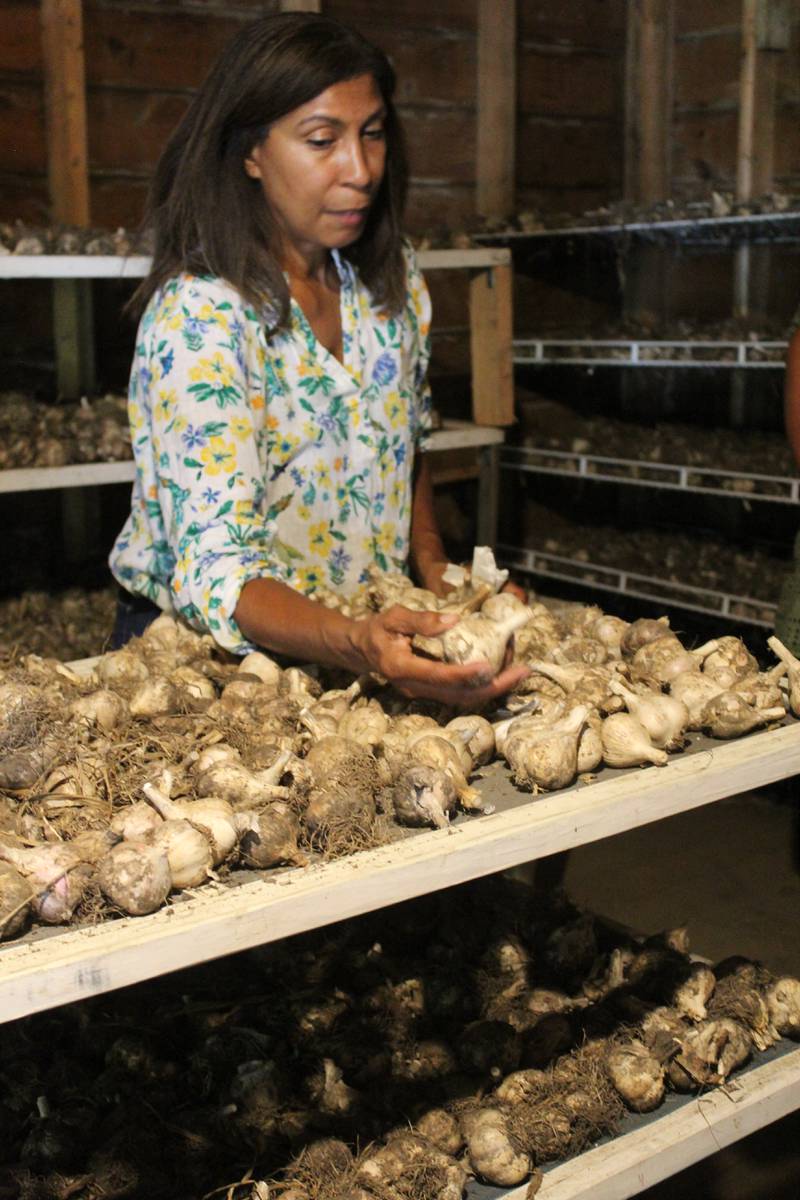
column 268, row 837
column 479, row 739
column 610, row 631
column 590, row 745
column 424, row 796
column 580, row 650
column 502, row 605
column 729, row 715
column 433, row 750
column 665, row 718
column 793, row 668
column 665, row 658
column 762, row 689
column 156, row 697
column 195, row 690
column 637, row 1075
column 693, row 993
column 475, row 639
column 121, row 668
column 241, row 787
column 135, row 822
column 135, row 876
column 15, row 898
column 219, row 752
column 57, row 874
column 640, row 632
column 543, row 711
column 262, row 666
column 188, row 852
column 626, row 743
column 301, row 687
column 103, row 708
column 783, row 1001
column 365, row 725
column 730, row 661
column 212, row 815
column 548, row 757
column 162, row 634
column 493, row 1154
column 694, row 690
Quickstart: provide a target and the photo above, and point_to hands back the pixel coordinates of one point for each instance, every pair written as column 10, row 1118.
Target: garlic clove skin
column 433, row 750
column 188, row 852
column 626, row 743
column 135, row 876
column 502, row 605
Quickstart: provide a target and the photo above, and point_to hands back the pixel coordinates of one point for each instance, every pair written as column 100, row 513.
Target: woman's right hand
column 384, row 642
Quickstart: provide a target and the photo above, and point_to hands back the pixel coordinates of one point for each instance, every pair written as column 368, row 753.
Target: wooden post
column 65, row 101
column 490, row 317
column 647, row 151
column 68, row 174
column 765, row 31
column 648, row 100
column 497, row 107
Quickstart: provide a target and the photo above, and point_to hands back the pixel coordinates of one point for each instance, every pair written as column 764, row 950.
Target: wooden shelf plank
column 136, row 266
column 40, row 972
column 454, row 435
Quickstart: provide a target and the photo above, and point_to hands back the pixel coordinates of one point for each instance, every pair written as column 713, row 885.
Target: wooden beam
column 65, row 102
column 497, row 106
column 313, row 6
column 490, row 314
column 648, row 100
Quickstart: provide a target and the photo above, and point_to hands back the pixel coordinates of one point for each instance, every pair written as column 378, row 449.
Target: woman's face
column 320, row 166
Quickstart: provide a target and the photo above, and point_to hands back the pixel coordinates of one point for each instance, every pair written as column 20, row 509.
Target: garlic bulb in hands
column 475, row 639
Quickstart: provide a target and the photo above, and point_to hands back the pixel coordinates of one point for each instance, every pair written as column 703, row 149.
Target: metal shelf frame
column 674, row 477
column 618, row 352
column 776, row 227
column 641, row 587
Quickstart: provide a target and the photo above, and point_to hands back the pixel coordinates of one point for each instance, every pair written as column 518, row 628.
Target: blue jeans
column 134, row 614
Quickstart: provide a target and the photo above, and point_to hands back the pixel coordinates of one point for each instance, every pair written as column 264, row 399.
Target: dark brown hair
column 210, row 218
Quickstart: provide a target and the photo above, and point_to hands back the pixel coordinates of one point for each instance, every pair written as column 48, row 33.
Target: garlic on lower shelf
column 626, row 743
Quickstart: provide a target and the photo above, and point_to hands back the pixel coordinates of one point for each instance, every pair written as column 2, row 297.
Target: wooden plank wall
column 708, row 48
column 144, row 59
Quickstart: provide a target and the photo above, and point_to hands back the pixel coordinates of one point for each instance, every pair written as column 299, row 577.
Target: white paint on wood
column 136, row 266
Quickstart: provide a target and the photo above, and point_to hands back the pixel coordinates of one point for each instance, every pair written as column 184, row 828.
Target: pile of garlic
column 169, row 761
column 35, row 434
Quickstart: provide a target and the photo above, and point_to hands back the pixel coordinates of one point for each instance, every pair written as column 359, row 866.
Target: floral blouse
column 261, row 454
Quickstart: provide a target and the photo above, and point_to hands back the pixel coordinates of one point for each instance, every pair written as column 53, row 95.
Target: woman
column 278, row 390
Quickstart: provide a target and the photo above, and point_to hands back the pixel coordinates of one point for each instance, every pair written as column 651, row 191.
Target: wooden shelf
column 53, row 967
column 705, row 354
column 454, row 435
column 678, row 1134
column 136, row 266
